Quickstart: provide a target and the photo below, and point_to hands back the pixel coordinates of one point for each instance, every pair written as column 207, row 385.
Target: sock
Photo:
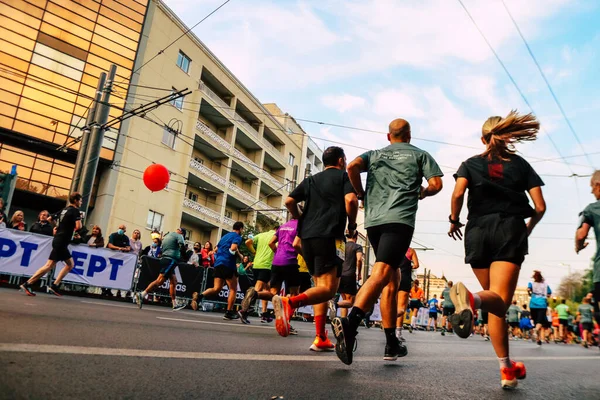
column 320, row 325
column 413, row 321
column 505, row 362
column 200, row 297
column 476, row 301
column 390, row 335
column 298, row 301
column 144, row 294
column 356, row 315
column 398, row 331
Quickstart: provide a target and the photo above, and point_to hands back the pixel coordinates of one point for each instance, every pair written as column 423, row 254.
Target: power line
column 537, row 64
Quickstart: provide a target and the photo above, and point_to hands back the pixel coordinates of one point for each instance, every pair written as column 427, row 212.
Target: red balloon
column 156, row 177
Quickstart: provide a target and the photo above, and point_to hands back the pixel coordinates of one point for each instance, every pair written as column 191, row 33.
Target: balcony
column 204, row 171
column 228, row 222
column 223, row 106
column 212, row 137
column 276, row 215
column 248, row 162
column 272, row 182
column 247, row 127
column 247, row 197
column 273, row 151
column 211, row 216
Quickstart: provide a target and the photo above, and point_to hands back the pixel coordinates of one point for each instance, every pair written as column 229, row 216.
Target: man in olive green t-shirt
column 585, row 313
column 263, row 259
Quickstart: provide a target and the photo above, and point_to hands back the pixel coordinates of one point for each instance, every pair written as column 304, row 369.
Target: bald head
column 399, row 131
column 596, row 178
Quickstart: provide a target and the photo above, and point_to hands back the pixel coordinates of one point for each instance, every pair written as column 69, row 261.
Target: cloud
column 394, row 103
column 342, row 103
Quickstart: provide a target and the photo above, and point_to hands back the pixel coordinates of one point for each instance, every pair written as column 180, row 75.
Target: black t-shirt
column 499, row 186
column 350, row 260
column 66, row 221
column 118, row 240
column 325, row 208
column 525, row 314
column 42, row 228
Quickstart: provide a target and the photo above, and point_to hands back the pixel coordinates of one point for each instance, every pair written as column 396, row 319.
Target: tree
column 576, row 286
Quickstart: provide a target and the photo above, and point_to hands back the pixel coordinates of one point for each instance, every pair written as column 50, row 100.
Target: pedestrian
column 590, row 218
column 525, row 322
column 95, row 238
column 135, row 243
column 263, row 260
column 512, row 315
column 409, row 264
column 330, row 202
column 3, row 218
column 433, row 305
column 208, row 255
column 496, row 234
column 394, row 177
column 42, row 226
column 172, row 245
column 118, row 241
column 538, row 304
column 448, row 309
column 17, row 221
column 226, row 269
column 154, row 250
column 195, row 258
column 68, row 223
column 416, row 294
column 585, row 313
column 351, row 273
column 244, row 266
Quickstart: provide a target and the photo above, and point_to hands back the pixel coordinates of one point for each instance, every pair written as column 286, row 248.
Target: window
column 193, row 196
column 183, row 62
column 154, row 220
column 229, row 214
column 291, row 159
column 188, row 235
column 169, row 137
column 233, row 181
column 199, row 160
column 178, row 102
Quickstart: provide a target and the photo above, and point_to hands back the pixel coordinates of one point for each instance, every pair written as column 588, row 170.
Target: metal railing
column 215, row 97
column 249, row 128
column 260, row 206
column 207, row 171
column 205, row 211
column 201, row 126
column 248, row 161
column 272, row 181
column 245, row 195
column 228, row 221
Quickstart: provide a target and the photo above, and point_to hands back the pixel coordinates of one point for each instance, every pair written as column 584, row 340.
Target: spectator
column 196, row 256
column 17, row 221
column 135, row 242
column 119, row 241
column 208, row 255
column 154, row 250
column 244, row 266
column 3, row 218
column 43, row 226
column 95, row 239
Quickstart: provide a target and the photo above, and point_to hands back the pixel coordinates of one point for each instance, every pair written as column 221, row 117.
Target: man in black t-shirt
column 351, row 273
column 68, row 222
column 329, row 201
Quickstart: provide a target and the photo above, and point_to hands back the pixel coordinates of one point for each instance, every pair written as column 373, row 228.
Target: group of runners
column 320, row 237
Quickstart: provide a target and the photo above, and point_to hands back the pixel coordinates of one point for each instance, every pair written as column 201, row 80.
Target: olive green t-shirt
column 586, row 311
column 563, row 311
column 264, row 254
column 591, row 216
column 394, row 178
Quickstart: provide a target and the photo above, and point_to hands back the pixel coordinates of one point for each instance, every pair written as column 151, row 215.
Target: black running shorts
column 167, row 266
column 484, row 317
column 587, row 326
column 222, row 272
column 348, row 285
column 263, row 275
column 415, row 304
column 405, row 276
column 563, row 322
column 320, row 256
column 60, row 251
column 433, row 314
column 390, row 242
column 305, row 281
column 538, row 315
column 514, row 324
column 289, row 274
column 493, row 238
column 447, row 311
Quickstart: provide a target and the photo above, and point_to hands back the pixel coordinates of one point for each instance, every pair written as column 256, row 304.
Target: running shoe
column 54, row 290
column 244, row 317
column 249, row 299
column 293, row 331
column 509, row 376
column 443, row 332
column 283, row 313
column 24, row 287
column 179, row 306
column 332, row 309
column 539, row 343
column 195, row 301
column 487, row 338
column 395, row 350
column 462, row 319
column 139, row 299
column 321, row 345
column 345, row 339
column 230, row 315
column 410, row 329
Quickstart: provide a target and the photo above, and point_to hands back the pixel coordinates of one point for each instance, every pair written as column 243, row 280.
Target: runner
column 590, row 217
column 496, row 236
column 525, row 322
column 330, row 201
column 226, row 269
column 433, row 313
column 416, row 294
column 409, row 264
column 538, row 304
column 263, row 259
column 585, row 314
column 512, row 315
column 68, row 222
column 394, row 177
column 172, row 245
column 563, row 319
column 351, row 273
column 448, row 309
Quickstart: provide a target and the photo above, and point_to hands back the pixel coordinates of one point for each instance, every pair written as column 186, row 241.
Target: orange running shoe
column 283, row 313
column 322, row 345
column 509, row 376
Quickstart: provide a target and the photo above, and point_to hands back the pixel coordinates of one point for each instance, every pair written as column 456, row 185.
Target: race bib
column 340, row 249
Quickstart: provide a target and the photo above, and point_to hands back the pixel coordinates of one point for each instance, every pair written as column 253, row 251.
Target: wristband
column 232, row 252
column 360, row 197
column 352, row 227
column 454, row 222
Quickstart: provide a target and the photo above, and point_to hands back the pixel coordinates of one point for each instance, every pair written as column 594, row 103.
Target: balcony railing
column 215, row 97
column 228, row 222
column 207, row 171
column 241, row 156
column 205, row 130
column 245, row 195
column 205, row 211
column 249, row 128
column 272, row 181
column 274, row 152
column 260, row 206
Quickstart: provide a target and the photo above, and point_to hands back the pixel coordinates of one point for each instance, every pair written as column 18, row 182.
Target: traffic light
column 7, row 186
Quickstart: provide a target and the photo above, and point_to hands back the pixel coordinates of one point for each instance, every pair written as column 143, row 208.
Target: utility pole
column 92, row 156
column 428, row 282
column 85, row 135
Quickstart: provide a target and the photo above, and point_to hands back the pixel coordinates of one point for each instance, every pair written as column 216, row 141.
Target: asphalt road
column 81, row 348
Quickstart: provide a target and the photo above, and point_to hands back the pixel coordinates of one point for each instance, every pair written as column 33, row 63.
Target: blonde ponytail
column 501, row 134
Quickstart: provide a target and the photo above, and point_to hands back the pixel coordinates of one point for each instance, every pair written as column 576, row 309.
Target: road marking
column 239, row 325
column 120, row 352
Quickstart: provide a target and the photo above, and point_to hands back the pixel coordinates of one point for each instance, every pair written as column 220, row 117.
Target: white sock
column 413, row 321
column 504, row 362
column 477, row 301
column 144, row 294
column 398, row 331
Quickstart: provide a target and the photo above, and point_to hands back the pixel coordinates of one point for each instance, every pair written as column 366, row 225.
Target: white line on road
column 226, row 324
column 105, row 351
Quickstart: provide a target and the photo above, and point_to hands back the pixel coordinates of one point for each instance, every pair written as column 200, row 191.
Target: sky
column 364, row 63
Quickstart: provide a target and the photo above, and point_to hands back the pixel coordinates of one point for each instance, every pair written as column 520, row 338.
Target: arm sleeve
column 299, row 194
column 529, row 286
column 532, row 179
column 366, row 156
column 463, row 172
column 111, row 239
column 430, row 167
column 549, row 290
column 587, row 216
column 238, row 240
column 347, row 185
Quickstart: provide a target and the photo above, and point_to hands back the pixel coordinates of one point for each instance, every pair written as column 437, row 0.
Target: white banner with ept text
column 23, row 253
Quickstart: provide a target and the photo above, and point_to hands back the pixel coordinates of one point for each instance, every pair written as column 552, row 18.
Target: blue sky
column 364, row 63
